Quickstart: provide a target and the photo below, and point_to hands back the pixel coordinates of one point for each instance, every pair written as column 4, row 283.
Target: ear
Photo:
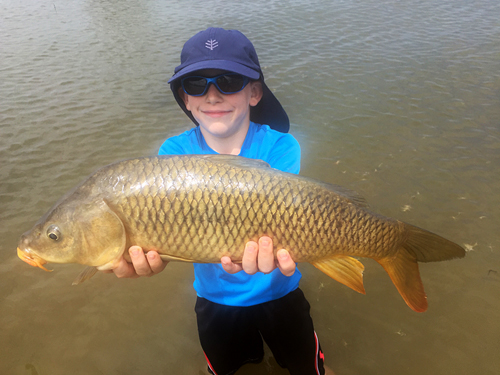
column 184, row 97
column 256, row 93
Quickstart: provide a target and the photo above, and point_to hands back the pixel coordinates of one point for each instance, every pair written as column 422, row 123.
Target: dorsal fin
column 353, row 196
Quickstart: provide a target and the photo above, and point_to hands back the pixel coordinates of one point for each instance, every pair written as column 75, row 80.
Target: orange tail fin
column 403, row 271
column 420, row 246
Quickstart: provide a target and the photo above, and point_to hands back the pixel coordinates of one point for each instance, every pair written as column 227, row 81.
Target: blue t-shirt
column 281, row 151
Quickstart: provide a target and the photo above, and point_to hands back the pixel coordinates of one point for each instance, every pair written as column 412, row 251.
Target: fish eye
column 54, row 233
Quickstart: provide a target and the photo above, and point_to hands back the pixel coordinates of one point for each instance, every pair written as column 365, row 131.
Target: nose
column 213, row 94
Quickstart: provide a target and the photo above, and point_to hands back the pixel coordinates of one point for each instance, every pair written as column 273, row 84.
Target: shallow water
column 399, row 101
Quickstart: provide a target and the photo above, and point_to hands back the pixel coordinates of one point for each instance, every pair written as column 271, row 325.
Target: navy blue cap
column 228, row 50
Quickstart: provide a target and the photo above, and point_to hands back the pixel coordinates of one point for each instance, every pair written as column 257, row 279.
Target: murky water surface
column 399, row 100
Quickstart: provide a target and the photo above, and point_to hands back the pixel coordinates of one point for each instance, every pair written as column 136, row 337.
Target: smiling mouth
column 216, row 113
column 32, row 259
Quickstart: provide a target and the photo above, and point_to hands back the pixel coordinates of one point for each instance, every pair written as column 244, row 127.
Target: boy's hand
column 142, row 264
column 257, row 257
column 260, row 257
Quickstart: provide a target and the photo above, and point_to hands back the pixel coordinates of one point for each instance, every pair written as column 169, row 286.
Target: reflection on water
column 397, row 100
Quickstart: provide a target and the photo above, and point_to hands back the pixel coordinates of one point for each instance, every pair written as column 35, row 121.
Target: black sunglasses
column 229, row 83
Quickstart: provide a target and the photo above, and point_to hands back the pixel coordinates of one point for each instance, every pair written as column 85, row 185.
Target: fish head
column 51, row 240
column 74, row 232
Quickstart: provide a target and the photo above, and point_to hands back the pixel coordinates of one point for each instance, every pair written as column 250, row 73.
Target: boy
column 220, row 86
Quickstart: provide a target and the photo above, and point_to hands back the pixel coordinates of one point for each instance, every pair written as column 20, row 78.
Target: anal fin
column 344, row 269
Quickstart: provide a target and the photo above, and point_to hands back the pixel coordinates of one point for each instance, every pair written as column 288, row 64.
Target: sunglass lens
column 194, row 85
column 230, row 83
column 226, row 84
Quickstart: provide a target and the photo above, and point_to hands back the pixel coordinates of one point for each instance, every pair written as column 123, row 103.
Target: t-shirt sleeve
column 171, row 147
column 285, row 154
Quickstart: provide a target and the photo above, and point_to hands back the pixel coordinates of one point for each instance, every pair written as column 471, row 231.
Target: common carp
column 198, row 208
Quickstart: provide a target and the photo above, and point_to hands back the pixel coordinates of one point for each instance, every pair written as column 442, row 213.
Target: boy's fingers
column 124, row 270
column 229, row 266
column 285, row 263
column 139, row 261
column 155, row 262
column 142, row 264
column 266, row 255
column 249, row 261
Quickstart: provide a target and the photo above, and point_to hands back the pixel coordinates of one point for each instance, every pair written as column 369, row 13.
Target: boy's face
column 222, row 115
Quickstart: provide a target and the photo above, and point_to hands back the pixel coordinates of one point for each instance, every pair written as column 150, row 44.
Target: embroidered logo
column 211, row 44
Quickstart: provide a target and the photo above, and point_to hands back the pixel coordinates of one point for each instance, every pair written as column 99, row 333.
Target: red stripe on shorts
column 317, row 353
column 209, row 364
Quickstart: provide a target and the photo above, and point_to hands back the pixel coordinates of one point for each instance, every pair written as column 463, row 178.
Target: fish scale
column 198, row 208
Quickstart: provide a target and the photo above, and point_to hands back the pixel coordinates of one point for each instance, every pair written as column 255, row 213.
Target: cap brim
column 229, row 66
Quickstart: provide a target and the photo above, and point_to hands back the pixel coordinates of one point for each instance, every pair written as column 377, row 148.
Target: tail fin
column 403, row 271
column 420, row 246
column 429, row 247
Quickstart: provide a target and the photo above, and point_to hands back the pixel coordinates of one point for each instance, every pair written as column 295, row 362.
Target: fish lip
column 32, row 259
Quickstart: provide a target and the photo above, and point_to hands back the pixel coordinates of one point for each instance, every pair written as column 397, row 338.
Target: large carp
column 198, row 208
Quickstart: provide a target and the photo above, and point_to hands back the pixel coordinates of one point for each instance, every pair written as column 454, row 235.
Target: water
column 399, row 101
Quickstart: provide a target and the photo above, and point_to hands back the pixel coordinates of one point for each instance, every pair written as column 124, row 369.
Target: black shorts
column 232, row 336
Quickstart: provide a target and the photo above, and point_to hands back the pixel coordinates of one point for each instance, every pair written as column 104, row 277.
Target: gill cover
column 102, row 234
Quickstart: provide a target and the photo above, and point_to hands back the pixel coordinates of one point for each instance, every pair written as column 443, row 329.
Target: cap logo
column 211, row 44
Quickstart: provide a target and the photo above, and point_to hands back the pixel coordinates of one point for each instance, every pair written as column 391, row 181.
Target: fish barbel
column 198, row 208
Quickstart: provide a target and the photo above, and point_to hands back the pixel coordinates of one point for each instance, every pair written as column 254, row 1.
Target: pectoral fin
column 403, row 271
column 86, row 274
column 345, row 270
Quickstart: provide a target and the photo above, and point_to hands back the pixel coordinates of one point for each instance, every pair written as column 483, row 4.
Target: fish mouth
column 32, row 259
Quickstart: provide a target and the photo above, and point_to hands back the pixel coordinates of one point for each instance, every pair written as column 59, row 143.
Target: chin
column 218, row 128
